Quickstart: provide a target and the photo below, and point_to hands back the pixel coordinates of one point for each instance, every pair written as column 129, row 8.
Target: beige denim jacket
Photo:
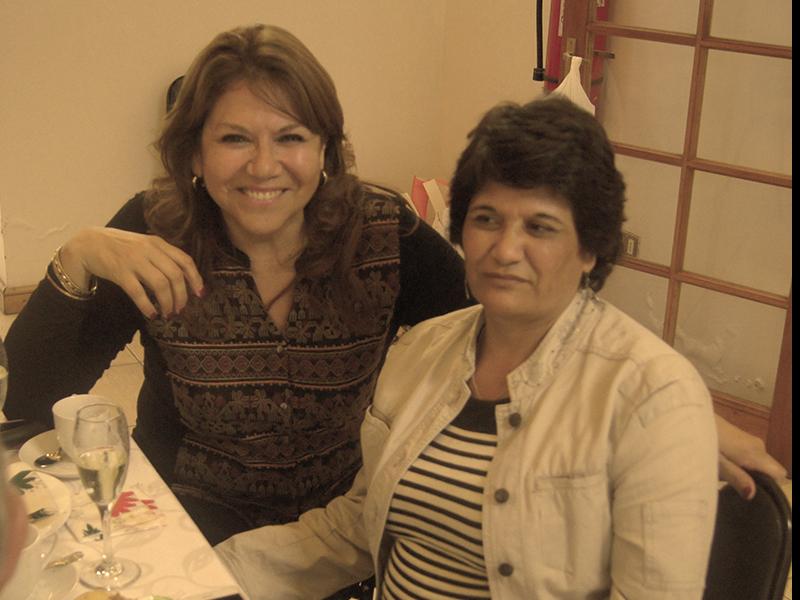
column 607, row 452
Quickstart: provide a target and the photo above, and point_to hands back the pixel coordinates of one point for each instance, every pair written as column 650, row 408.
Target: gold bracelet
column 60, row 288
column 70, row 287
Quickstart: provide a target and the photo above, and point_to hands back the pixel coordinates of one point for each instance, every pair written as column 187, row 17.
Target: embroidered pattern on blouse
column 273, row 418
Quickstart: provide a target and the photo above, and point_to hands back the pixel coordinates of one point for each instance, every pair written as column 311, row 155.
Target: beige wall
column 489, row 56
column 83, row 84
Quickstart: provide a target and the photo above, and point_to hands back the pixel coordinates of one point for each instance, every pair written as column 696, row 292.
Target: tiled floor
column 122, row 380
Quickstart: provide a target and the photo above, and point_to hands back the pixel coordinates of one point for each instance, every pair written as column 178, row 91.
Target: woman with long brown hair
column 266, row 281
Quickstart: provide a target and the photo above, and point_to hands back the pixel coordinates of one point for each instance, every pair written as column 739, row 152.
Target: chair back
column 752, row 547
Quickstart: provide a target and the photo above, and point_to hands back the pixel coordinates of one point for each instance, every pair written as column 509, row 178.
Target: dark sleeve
column 431, row 273
column 58, row 346
column 131, row 216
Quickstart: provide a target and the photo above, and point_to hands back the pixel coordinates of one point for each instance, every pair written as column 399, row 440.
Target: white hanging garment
column 571, row 86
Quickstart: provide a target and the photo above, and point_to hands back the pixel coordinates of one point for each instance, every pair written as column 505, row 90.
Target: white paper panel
column 741, row 231
column 646, row 93
column 768, row 21
column 677, row 15
column 641, row 295
column 734, row 343
column 651, row 202
column 747, row 111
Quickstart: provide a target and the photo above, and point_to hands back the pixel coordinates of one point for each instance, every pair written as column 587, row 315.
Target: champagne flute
column 102, row 447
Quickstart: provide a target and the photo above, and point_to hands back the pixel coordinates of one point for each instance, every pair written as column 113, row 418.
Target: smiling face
column 522, row 255
column 259, row 165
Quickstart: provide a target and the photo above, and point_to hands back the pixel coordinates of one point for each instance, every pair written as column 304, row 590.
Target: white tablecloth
column 176, row 560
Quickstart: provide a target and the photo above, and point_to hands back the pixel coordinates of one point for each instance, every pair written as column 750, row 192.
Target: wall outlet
column 630, row 244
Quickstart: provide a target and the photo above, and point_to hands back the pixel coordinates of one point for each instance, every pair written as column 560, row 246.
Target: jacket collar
column 555, row 348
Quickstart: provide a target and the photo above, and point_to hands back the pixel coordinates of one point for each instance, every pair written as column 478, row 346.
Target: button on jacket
column 604, row 483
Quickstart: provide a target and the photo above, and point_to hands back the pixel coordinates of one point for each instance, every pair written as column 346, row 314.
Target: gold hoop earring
column 197, row 182
column 324, row 177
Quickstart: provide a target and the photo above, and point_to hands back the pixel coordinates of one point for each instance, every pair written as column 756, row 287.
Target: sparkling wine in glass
column 102, row 447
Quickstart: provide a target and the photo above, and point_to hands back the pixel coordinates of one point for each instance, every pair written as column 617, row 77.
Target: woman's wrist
column 71, row 261
column 69, row 275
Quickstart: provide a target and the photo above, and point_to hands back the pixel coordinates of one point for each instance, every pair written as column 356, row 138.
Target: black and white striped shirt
column 435, row 513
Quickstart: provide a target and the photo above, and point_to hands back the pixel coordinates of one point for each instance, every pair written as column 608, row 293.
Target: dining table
column 176, row 560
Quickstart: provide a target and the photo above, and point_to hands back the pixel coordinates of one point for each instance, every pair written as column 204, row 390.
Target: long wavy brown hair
column 284, row 72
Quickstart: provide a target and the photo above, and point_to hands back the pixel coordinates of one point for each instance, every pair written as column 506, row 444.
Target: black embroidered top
column 234, row 413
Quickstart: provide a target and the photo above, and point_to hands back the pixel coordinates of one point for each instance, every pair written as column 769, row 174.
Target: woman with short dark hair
column 562, row 149
column 541, row 444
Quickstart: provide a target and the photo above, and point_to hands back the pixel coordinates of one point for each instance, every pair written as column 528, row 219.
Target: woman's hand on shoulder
column 146, row 267
column 739, row 450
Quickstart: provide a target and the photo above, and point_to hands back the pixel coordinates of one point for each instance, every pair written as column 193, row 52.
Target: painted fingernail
column 201, row 293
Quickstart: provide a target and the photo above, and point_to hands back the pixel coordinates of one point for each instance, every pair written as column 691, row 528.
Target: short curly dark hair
column 549, row 143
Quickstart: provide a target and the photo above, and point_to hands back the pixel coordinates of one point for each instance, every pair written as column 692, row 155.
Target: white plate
column 47, row 442
column 55, row 583
column 58, row 492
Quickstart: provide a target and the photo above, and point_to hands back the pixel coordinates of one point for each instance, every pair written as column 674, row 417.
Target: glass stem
column 108, row 555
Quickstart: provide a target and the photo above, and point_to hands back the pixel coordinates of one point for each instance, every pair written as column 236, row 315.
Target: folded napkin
column 131, row 512
column 39, row 503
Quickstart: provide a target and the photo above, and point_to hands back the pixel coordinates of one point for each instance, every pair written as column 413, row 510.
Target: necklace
column 277, row 296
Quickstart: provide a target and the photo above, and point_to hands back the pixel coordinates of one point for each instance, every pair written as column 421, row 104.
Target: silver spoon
column 48, row 458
